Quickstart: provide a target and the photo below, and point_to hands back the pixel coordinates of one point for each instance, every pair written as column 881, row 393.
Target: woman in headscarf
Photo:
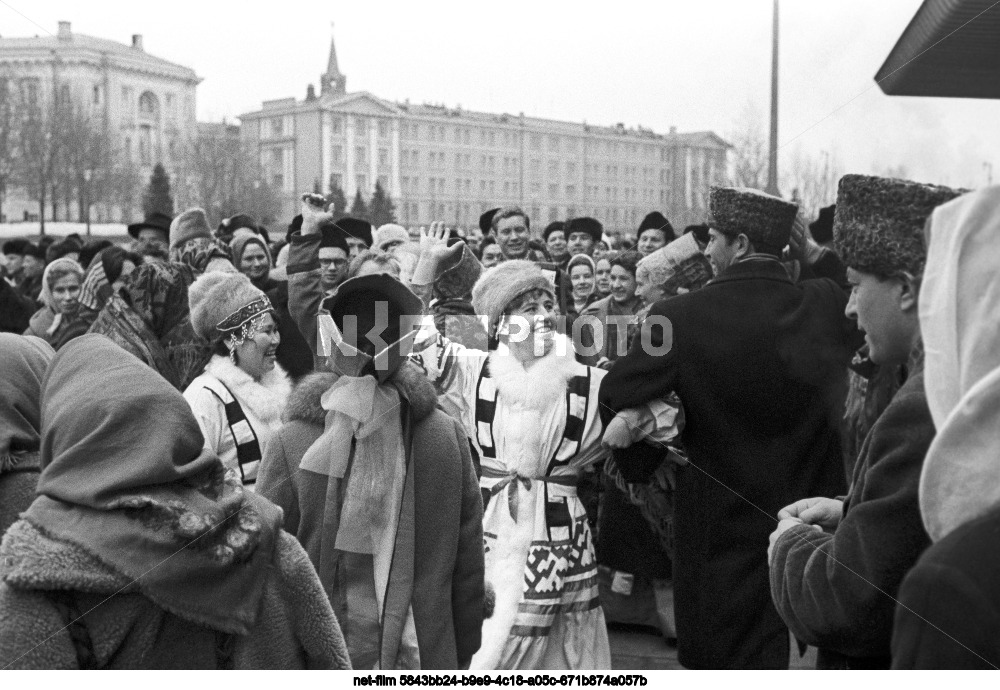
column 239, row 398
column 107, row 273
column 23, row 361
column 947, row 612
column 141, row 550
column 149, row 318
column 252, row 257
column 60, row 296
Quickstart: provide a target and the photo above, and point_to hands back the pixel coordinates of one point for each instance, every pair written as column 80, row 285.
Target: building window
column 361, row 126
column 383, row 180
column 336, row 124
column 492, row 164
column 536, row 189
column 97, row 95
column 467, row 136
column 361, row 182
column 553, row 191
column 553, row 142
column 383, row 157
column 571, row 170
column 536, row 165
column 277, row 128
column 359, row 154
column 127, row 97
column 553, row 213
column 554, row 168
column 278, row 181
column 570, row 191
column 171, row 105
column 338, row 154
column 536, row 142
column 336, row 181
column 383, row 129
column 148, row 105
column 146, row 145
column 441, row 185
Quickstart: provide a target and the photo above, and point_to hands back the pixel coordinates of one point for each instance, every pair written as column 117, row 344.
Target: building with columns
column 450, row 164
column 147, row 102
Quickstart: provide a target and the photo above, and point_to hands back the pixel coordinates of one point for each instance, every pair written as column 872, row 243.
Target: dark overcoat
column 760, row 365
column 837, row 591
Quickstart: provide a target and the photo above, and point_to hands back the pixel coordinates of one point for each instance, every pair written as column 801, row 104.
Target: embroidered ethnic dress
column 535, row 432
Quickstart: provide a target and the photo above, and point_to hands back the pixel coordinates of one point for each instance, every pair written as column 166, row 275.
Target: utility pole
column 772, row 168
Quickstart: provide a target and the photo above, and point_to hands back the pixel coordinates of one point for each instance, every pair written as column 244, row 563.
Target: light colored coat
column 262, row 402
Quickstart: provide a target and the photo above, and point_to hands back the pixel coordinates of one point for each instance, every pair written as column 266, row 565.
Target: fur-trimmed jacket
column 261, row 401
column 448, row 569
column 295, row 627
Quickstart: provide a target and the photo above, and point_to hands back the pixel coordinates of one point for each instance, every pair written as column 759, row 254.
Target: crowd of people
column 392, row 448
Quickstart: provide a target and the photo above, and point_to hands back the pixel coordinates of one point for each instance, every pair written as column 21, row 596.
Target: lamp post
column 86, row 196
column 772, row 168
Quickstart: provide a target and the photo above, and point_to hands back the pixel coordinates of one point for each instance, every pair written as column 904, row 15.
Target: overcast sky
column 693, row 65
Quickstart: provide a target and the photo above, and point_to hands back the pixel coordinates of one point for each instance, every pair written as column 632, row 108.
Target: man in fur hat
column 582, row 235
column 379, row 486
column 759, row 363
column 836, row 565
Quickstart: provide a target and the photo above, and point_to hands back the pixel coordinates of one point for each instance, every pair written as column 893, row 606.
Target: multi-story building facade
column 450, row 164
column 147, row 103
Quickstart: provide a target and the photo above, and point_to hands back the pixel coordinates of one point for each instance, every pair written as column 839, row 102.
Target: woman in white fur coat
column 239, row 399
column 530, row 410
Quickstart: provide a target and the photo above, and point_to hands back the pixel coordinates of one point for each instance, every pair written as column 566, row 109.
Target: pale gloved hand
column 617, row 434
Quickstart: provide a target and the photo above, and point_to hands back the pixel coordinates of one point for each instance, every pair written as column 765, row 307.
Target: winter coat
column 262, row 403
column 295, row 627
column 294, row 354
column 15, row 311
column 760, row 366
column 448, row 570
column 837, row 591
column 949, row 605
column 17, row 487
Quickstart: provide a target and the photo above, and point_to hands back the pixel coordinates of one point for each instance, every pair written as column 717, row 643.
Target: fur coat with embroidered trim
column 295, row 627
column 262, row 402
column 448, row 579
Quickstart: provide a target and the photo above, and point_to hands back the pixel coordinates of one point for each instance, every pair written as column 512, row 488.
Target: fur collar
column 304, row 401
column 33, row 560
column 540, row 386
column 266, row 398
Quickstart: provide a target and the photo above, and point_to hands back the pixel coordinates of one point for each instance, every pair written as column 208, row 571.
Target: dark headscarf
column 125, row 476
column 23, row 361
column 151, row 320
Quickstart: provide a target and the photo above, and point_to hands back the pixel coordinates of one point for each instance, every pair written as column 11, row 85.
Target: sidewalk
column 638, row 648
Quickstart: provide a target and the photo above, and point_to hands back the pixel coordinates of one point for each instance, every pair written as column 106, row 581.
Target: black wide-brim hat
column 154, row 221
column 357, row 297
column 356, row 228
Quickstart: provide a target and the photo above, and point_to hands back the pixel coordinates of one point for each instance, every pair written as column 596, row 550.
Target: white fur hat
column 222, row 297
column 390, row 232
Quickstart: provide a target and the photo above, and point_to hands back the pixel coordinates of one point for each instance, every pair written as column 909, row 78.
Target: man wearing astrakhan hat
column 837, row 565
column 760, row 366
column 529, row 410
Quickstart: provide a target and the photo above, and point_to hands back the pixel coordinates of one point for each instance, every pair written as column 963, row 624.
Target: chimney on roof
column 310, row 93
column 64, row 33
column 137, row 41
column 673, row 130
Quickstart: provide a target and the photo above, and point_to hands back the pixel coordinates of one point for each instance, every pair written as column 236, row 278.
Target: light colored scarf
column 362, row 412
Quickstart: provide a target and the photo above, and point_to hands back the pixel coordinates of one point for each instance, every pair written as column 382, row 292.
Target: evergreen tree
column 337, row 198
column 382, row 209
column 359, row 209
column 157, row 197
column 316, row 188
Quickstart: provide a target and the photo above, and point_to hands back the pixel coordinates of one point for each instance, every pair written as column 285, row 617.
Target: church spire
column 333, row 82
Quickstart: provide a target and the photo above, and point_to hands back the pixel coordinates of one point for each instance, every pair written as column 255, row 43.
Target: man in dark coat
column 836, row 565
column 760, row 364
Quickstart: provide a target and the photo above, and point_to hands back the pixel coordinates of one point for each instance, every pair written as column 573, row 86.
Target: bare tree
column 749, row 152
column 38, row 148
column 9, row 134
column 812, row 180
column 225, row 176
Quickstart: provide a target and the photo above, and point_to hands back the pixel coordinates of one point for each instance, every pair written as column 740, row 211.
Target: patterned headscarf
column 129, row 481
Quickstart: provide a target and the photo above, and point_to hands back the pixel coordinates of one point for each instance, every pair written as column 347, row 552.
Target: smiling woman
column 239, row 398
